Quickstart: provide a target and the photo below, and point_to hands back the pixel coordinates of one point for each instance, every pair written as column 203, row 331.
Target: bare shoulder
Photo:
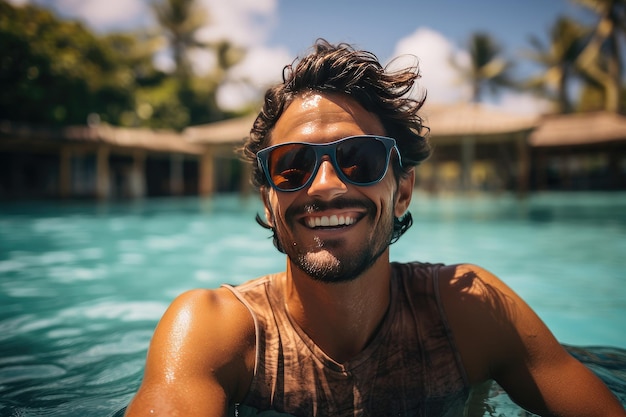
column 466, row 286
column 218, row 310
column 490, row 322
column 214, row 328
column 213, row 316
column 201, row 357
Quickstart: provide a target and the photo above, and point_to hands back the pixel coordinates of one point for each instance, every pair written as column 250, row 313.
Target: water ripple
column 124, row 311
column 37, row 372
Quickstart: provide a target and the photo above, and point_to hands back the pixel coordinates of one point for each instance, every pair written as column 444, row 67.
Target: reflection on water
column 82, row 285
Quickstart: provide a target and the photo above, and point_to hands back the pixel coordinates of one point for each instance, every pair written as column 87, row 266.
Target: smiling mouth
column 329, row 221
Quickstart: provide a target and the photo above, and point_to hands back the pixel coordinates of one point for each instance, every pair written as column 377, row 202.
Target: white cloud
column 434, row 52
column 243, row 22
column 262, row 65
column 105, row 15
column 247, row 81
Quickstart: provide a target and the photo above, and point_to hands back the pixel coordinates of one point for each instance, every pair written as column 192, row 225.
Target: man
column 344, row 332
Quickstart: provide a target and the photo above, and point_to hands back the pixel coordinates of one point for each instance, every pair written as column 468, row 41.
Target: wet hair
column 341, row 69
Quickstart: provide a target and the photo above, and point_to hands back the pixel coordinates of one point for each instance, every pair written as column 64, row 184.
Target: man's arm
column 500, row 337
column 200, row 358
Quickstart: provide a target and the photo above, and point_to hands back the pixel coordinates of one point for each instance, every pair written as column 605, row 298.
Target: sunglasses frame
column 329, row 149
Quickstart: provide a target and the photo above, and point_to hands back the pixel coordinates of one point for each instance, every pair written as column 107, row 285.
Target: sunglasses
column 359, row 160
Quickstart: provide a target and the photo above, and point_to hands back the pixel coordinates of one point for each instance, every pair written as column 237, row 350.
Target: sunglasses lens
column 291, row 165
column 362, row 160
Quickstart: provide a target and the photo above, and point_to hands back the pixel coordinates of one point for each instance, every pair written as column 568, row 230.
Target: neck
column 341, row 318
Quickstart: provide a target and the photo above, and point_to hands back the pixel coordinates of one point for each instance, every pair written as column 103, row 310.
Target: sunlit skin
column 202, row 354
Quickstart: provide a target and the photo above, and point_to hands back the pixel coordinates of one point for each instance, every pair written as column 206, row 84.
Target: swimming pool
column 83, row 284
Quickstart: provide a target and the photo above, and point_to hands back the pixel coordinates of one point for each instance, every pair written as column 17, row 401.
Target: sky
column 277, row 31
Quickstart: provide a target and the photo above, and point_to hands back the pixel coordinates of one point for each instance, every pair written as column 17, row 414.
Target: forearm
column 566, row 389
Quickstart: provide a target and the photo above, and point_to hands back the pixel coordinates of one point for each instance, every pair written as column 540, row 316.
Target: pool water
column 82, row 284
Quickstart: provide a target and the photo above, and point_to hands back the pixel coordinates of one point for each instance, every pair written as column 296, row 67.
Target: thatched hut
column 95, row 161
column 582, row 151
column 476, row 148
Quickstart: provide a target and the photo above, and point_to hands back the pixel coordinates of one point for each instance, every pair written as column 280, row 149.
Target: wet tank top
column 411, row 367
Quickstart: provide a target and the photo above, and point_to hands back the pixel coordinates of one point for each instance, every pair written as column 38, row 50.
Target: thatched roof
column 224, row 132
column 152, row 140
column 454, row 120
column 579, row 129
column 472, row 119
column 447, row 123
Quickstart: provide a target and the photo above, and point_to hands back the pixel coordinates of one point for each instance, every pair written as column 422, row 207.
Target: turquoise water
column 83, row 284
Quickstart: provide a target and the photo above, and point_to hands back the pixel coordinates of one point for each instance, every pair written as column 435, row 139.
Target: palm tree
column 601, row 59
column 181, row 19
column 559, row 59
column 487, row 70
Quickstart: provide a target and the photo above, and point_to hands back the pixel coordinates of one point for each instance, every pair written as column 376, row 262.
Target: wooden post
column 103, row 183
column 541, row 169
column 523, row 165
column 245, row 180
column 176, row 174
column 207, row 173
column 65, row 172
column 138, row 174
column 467, row 161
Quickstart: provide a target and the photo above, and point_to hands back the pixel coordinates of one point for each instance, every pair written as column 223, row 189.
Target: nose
column 326, row 185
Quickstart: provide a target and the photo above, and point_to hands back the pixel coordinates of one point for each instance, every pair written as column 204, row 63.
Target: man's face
column 331, row 230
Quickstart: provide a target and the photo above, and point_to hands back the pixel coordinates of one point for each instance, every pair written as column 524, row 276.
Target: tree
column 559, row 59
column 601, row 58
column 54, row 71
column 58, row 72
column 181, row 21
column 487, row 70
column 155, row 97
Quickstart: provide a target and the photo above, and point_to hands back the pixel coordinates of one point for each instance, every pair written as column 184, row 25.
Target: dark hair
column 342, row 69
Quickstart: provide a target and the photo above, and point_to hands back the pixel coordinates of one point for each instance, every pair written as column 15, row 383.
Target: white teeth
column 325, row 221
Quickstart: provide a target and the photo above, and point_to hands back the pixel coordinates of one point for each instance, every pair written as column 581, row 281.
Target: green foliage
column 57, row 72
column 159, row 107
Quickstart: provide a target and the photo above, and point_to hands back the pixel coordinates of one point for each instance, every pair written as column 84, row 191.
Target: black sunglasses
column 359, row 160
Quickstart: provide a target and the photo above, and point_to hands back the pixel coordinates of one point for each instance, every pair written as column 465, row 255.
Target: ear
column 404, row 193
column 265, row 196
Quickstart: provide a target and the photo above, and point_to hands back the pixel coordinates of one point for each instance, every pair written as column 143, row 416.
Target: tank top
column 410, row 368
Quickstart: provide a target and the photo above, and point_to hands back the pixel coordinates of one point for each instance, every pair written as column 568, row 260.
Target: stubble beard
column 331, row 261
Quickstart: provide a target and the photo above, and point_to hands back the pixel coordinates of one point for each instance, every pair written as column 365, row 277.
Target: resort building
column 98, row 161
column 476, row 148
column 582, row 151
